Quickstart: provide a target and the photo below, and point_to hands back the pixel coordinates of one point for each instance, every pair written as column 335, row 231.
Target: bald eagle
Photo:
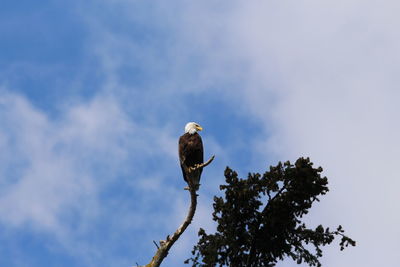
column 191, row 152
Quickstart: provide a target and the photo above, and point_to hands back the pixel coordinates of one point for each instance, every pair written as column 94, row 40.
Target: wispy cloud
column 48, row 165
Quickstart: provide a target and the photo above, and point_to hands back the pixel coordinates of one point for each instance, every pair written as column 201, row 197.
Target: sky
column 95, row 94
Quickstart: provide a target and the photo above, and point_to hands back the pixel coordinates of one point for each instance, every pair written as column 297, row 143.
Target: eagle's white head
column 192, row 127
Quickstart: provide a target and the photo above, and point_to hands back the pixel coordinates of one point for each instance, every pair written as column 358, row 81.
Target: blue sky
column 95, row 94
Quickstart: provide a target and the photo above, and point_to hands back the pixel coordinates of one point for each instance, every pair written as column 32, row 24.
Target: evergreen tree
column 260, row 219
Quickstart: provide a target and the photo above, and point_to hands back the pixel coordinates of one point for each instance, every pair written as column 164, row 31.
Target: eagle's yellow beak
column 199, row 128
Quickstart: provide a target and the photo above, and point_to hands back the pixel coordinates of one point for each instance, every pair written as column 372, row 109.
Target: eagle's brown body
column 191, row 153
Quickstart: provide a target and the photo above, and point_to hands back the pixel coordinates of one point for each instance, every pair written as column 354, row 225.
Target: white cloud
column 45, row 161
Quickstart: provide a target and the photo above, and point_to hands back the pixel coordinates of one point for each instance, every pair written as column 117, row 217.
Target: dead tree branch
column 165, row 245
column 202, row 165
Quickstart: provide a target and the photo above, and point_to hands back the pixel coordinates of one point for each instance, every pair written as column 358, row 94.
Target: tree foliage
column 260, row 219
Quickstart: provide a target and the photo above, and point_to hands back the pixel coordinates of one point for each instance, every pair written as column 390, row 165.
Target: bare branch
column 165, row 245
column 197, row 166
column 202, row 165
column 156, row 244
